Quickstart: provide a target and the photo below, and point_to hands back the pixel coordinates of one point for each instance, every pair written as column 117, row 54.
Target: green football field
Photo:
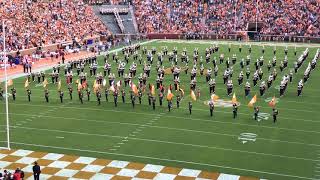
column 289, row 149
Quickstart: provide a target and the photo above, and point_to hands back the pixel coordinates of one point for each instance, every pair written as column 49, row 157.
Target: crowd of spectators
column 31, row 23
column 279, row 17
column 291, row 17
column 34, row 23
column 18, row 174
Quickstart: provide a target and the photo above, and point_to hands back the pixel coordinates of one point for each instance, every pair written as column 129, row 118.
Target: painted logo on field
column 246, row 137
column 270, row 98
column 262, row 116
column 8, row 94
column 222, row 103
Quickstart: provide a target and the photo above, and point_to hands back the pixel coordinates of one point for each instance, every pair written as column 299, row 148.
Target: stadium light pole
column 235, row 16
column 6, row 83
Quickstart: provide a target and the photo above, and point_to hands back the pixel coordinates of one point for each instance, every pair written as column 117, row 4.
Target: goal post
column 6, row 133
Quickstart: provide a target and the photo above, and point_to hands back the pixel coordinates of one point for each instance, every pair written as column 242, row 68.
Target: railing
column 192, row 36
column 298, row 39
column 118, row 19
column 51, row 47
column 228, row 37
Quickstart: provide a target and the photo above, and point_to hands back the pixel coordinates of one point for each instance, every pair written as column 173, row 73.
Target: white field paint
column 245, row 137
column 193, row 119
column 168, row 142
column 136, row 132
column 8, row 94
column 262, row 116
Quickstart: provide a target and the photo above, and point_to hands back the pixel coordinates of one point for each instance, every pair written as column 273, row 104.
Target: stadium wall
column 52, row 47
column 233, row 37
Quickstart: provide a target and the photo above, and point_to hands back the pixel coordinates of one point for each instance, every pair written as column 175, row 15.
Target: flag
column 45, row 83
column 118, row 84
column 94, row 83
column 26, row 84
column 59, row 85
column 152, row 90
column 10, row 82
column 84, row 85
column 234, row 98
column 112, row 88
column 273, row 102
column 104, row 82
column 96, row 86
column 182, row 92
column 253, row 100
column 214, row 97
column 193, row 96
column 79, row 86
column 169, row 95
column 134, row 88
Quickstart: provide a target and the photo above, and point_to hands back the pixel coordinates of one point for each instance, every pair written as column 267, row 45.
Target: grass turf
column 288, row 149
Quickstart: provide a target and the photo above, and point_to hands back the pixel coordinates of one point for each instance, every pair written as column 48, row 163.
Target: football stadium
column 159, row 89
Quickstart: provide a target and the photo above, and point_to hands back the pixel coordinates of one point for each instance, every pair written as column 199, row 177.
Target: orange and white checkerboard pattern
column 60, row 166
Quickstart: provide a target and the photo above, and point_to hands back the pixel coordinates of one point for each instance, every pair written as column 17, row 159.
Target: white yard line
column 163, row 159
column 317, row 167
column 118, row 144
column 207, row 120
column 289, row 109
column 137, row 131
column 39, row 115
column 142, row 126
column 168, row 142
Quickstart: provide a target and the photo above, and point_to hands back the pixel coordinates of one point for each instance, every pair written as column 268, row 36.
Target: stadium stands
column 118, row 18
column 35, row 23
column 292, row 17
column 73, row 38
